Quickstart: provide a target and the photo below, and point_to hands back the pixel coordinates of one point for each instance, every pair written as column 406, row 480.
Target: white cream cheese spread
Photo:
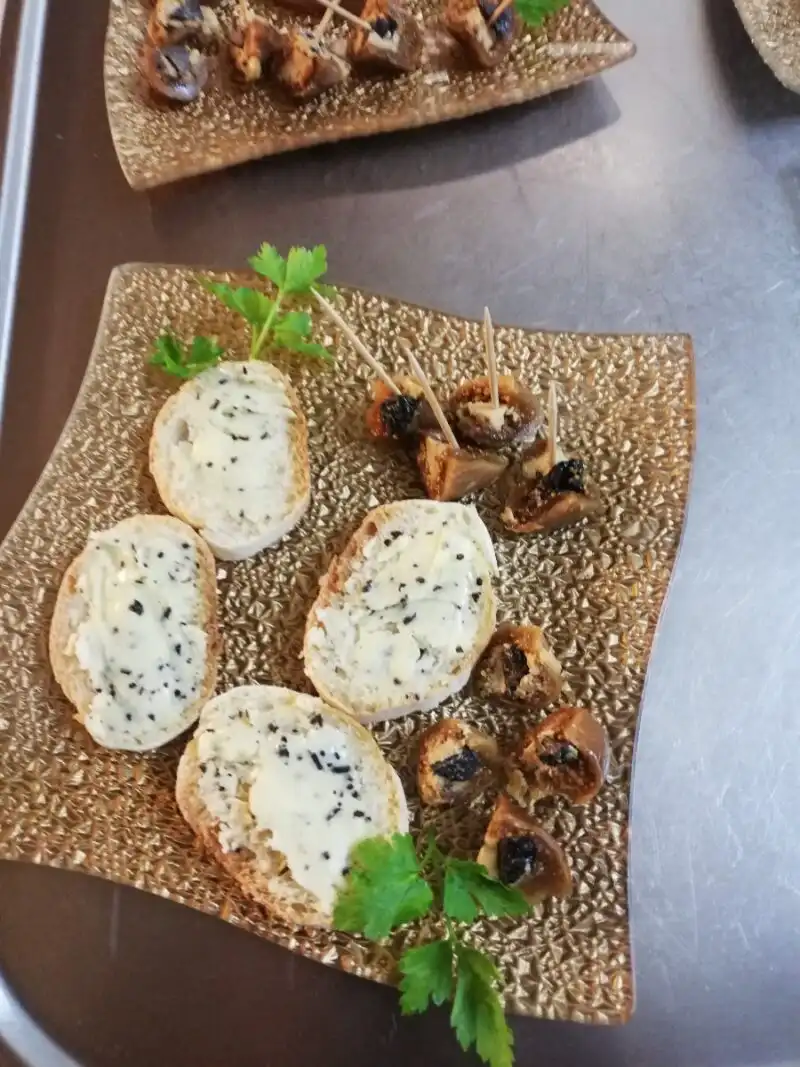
column 411, row 611
column 275, row 771
column 137, row 634
column 231, row 452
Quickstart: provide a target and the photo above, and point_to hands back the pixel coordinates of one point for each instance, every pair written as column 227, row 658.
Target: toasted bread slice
column 133, row 641
column 521, row 853
column 404, row 612
column 455, row 761
column 229, row 455
column 279, row 787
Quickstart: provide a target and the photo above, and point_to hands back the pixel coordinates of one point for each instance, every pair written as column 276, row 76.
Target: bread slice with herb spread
column 404, row 613
column 229, row 455
column 279, row 787
column 133, row 640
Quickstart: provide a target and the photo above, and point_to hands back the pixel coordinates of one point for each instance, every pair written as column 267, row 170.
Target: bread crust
column 76, row 682
column 333, row 582
column 264, row 877
column 160, row 469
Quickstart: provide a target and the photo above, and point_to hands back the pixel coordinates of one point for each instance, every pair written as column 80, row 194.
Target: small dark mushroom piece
column 402, row 414
column 475, row 417
column 519, row 665
column 395, row 42
column 451, row 473
column 178, row 21
column 522, row 854
column 545, row 496
column 309, row 68
column 176, row 72
column 469, row 22
column 256, row 47
column 567, row 754
column 455, row 761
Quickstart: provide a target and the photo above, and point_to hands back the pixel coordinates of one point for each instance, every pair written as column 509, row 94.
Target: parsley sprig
column 272, row 323
column 270, row 326
column 534, row 12
column 389, row 886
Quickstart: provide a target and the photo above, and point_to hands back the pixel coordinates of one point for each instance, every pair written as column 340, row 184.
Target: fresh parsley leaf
column 384, row 888
column 427, row 976
column 534, row 12
column 269, row 263
column 252, row 305
column 303, row 267
column 470, row 891
column 294, row 322
column 477, row 1016
column 169, row 354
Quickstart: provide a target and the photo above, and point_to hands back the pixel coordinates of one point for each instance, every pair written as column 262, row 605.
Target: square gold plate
column 774, row 27
column 628, row 409
column 231, row 124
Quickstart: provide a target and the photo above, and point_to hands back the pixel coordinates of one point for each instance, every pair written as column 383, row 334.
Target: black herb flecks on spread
column 272, row 763
column 140, row 640
column 417, row 597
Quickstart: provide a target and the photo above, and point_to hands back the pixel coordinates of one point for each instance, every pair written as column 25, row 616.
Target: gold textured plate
column 159, row 143
column 628, row 408
column 774, row 27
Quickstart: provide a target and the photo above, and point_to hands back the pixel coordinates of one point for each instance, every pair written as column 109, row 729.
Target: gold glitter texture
column 774, row 26
column 158, row 143
column 627, row 408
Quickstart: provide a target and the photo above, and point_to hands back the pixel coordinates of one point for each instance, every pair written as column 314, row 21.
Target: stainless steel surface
column 664, row 196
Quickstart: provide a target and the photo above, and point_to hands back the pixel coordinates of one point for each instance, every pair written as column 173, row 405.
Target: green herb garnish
column 534, row 12
column 270, row 327
column 170, row 354
column 389, row 885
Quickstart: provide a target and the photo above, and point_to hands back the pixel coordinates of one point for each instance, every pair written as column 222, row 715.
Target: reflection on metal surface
column 22, row 1035
column 16, row 168
column 628, row 407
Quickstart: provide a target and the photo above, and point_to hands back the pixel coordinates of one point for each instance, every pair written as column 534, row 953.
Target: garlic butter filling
column 411, row 610
column 274, row 772
column 138, row 637
column 232, row 460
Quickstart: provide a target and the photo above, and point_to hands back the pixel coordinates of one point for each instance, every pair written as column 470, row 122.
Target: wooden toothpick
column 498, row 11
column 430, row 396
column 323, row 25
column 491, row 359
column 335, row 8
column 552, row 424
column 357, row 344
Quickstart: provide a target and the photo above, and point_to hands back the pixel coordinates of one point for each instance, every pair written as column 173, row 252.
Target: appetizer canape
column 486, row 38
column 550, row 489
column 519, row 665
column 394, row 41
column 176, row 72
column 398, row 410
column 455, row 760
column 256, row 47
column 522, row 854
column 566, row 754
column 496, row 410
column 450, row 473
column 309, row 67
column 175, row 21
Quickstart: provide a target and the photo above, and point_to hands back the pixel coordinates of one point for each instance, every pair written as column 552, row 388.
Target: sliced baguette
column 404, row 613
column 256, row 786
column 229, row 455
column 133, row 640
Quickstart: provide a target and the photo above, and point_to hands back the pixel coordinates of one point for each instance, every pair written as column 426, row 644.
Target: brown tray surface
column 230, row 124
column 774, row 26
column 628, row 408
